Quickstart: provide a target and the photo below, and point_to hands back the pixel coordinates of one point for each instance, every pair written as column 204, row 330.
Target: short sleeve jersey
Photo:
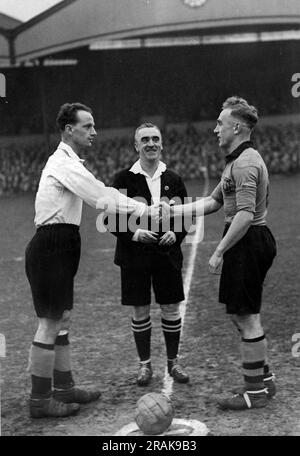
column 244, row 186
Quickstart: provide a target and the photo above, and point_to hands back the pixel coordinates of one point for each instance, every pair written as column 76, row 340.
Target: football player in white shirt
column 52, row 259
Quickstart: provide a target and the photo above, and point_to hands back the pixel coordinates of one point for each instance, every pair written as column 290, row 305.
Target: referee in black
column 52, row 259
column 247, row 249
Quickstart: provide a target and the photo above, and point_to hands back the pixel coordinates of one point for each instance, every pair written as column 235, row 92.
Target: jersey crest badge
column 228, row 185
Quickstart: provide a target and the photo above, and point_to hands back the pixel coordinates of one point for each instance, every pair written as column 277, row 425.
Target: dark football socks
column 62, row 374
column 171, row 330
column 253, row 353
column 41, row 364
column 142, row 336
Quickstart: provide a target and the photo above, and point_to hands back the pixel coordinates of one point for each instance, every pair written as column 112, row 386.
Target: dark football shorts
column 51, row 262
column 244, row 269
column 136, row 285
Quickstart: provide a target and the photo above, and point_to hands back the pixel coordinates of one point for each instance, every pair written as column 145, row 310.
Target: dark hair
column 67, row 114
column 242, row 110
column 145, row 125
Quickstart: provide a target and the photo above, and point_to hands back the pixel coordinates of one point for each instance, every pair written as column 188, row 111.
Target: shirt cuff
column 135, row 237
column 140, row 209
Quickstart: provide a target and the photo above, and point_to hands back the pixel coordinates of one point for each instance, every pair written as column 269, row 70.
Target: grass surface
column 102, row 343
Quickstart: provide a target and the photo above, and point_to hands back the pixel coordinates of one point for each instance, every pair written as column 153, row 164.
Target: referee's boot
column 75, row 395
column 144, row 374
column 177, row 372
column 244, row 401
column 269, row 382
column 42, row 407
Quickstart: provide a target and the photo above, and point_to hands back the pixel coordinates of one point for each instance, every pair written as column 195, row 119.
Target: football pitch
column 103, row 350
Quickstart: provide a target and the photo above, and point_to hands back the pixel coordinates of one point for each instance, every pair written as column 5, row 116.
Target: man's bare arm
column 203, row 206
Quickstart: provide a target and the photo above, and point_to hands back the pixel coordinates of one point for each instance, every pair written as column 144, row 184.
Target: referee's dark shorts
column 51, row 262
column 165, row 278
column 244, row 269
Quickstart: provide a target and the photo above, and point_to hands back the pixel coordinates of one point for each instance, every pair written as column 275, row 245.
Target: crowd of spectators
column 186, row 152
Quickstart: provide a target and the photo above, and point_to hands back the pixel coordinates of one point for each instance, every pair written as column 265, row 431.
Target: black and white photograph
column 149, row 221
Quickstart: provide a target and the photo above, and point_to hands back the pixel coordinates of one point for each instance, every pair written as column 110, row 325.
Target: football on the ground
column 154, row 413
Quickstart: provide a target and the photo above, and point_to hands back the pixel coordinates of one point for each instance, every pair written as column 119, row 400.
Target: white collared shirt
column 154, row 184
column 65, row 183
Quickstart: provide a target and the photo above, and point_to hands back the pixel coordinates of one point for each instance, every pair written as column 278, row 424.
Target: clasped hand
column 159, row 212
column 150, row 237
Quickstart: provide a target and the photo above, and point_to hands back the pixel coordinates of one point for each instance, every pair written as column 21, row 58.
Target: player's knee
column 170, row 312
column 250, row 325
column 247, row 320
column 48, row 328
column 140, row 312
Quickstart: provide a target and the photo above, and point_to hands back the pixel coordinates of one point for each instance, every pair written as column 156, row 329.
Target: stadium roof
column 8, row 22
column 75, row 23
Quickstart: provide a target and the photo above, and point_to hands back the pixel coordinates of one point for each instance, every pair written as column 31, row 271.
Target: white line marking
column 190, row 268
column 2, row 355
column 168, row 381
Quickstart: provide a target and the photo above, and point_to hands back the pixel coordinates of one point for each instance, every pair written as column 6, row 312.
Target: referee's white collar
column 137, row 169
column 62, row 145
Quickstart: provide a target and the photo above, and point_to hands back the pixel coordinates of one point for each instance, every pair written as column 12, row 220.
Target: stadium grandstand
column 8, row 23
column 170, row 62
